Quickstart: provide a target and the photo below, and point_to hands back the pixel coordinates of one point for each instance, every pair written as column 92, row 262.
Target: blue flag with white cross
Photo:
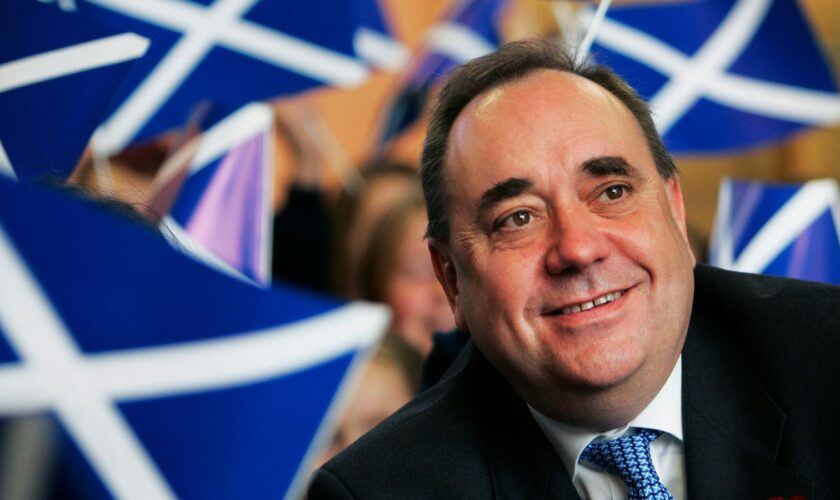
column 788, row 230
column 166, row 378
column 721, row 75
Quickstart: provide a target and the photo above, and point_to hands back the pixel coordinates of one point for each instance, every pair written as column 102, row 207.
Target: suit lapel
column 521, row 461
column 732, row 428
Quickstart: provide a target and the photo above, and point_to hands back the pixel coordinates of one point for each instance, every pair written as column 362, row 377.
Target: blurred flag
column 225, row 52
column 782, row 230
column 168, row 378
column 373, row 40
column 469, row 31
column 721, row 74
column 222, row 210
column 57, row 79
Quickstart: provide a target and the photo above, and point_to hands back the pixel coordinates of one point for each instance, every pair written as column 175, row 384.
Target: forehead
column 547, row 119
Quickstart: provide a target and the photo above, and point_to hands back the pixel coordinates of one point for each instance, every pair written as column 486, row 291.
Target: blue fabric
column 628, row 457
column 46, row 124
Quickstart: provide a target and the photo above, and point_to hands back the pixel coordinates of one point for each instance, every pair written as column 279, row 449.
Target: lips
column 590, row 304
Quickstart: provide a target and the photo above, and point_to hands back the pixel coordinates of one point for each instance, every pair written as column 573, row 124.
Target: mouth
column 590, row 304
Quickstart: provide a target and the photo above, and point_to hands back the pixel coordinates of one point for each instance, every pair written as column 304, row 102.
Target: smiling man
column 602, row 363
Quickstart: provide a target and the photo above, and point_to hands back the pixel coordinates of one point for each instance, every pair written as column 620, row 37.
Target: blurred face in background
column 381, row 194
column 383, row 389
column 418, row 302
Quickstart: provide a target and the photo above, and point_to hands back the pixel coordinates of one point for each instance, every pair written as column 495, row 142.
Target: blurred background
column 300, row 183
column 352, row 118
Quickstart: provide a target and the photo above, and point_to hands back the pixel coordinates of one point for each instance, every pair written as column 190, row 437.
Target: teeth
column 585, row 306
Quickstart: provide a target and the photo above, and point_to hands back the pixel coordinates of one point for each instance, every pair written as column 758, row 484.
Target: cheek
column 405, row 298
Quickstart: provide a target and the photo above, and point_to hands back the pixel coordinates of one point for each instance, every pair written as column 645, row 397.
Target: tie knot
column 629, row 458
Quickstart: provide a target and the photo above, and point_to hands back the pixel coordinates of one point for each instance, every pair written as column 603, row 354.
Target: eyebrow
column 504, row 190
column 603, row 166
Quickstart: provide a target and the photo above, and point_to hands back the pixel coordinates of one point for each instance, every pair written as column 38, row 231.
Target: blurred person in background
column 358, row 212
column 388, row 382
column 396, row 270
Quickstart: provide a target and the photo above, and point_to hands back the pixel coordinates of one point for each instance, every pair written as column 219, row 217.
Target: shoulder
column 734, row 287
column 776, row 306
column 786, row 328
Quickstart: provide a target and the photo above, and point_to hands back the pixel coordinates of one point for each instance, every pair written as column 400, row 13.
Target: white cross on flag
column 168, row 378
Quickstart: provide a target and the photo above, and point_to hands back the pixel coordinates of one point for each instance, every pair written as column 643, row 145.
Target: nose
column 576, row 241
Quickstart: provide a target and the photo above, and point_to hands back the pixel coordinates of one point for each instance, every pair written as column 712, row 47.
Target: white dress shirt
column 664, row 413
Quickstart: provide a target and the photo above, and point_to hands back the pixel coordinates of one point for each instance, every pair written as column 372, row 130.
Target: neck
column 598, row 409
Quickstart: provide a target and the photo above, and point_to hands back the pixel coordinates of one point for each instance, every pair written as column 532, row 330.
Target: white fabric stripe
column 721, row 243
column 594, row 26
column 382, row 51
column 5, row 164
column 202, row 29
column 73, row 59
column 267, row 193
column 458, row 42
column 38, row 335
column 726, row 43
column 187, row 245
column 295, row 54
column 20, row 389
column 251, row 357
column 212, row 364
column 775, row 100
column 808, row 204
column 235, row 129
column 738, row 92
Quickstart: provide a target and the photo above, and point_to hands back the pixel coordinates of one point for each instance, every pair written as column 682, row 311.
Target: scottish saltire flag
column 469, row 31
column 226, row 53
column 721, row 74
column 222, row 212
column 56, row 82
column 779, row 229
column 168, row 378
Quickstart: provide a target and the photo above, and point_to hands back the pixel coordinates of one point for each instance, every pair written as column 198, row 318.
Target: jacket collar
column 521, row 461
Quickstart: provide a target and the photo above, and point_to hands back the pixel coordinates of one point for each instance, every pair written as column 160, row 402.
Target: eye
column 516, row 219
column 615, row 192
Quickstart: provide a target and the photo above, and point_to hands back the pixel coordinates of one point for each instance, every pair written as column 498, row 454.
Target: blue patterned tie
column 628, row 457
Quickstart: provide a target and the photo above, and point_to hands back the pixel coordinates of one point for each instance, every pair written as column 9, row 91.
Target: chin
column 603, row 373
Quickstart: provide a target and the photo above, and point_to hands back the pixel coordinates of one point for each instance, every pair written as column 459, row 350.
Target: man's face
column 567, row 259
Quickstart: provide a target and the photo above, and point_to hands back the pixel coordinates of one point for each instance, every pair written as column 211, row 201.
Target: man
column 602, row 364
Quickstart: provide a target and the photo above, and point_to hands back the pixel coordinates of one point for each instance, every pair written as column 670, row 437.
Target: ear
column 447, row 276
column 677, row 207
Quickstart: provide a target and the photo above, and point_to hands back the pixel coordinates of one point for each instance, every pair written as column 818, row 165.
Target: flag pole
column 586, row 43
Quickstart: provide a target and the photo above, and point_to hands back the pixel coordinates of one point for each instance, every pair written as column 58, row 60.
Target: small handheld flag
column 783, row 230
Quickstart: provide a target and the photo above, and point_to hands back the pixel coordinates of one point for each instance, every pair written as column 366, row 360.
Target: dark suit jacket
column 761, row 410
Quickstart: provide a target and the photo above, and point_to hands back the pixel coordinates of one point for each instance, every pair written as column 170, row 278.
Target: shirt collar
column 663, row 413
